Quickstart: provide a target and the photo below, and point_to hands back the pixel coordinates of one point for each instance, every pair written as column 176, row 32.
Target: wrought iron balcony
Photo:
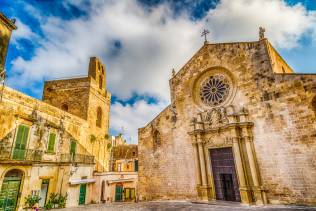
column 10, row 153
column 76, row 158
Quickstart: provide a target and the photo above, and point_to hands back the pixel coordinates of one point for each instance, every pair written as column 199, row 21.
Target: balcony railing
column 76, row 158
column 9, row 153
column 14, row 154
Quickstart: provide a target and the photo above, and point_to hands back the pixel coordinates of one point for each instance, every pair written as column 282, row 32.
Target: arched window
column 99, row 117
column 64, row 107
column 156, row 140
column 102, row 191
column 100, row 82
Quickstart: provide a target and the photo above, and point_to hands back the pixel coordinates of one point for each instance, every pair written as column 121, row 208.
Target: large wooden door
column 20, row 142
column 82, row 194
column 10, row 191
column 224, row 174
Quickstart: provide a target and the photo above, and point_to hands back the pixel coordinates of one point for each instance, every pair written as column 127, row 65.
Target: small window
column 51, row 143
column 156, row 140
column 119, row 167
column 102, row 70
column 100, row 82
column 73, row 147
column 64, row 107
column 99, row 117
column 314, row 104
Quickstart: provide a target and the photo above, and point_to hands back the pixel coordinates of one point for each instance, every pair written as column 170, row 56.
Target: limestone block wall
column 167, row 171
column 71, row 93
column 279, row 105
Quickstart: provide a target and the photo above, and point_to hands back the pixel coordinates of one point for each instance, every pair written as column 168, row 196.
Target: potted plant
column 31, row 202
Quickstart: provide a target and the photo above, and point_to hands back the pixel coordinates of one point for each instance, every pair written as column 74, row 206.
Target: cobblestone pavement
column 181, row 205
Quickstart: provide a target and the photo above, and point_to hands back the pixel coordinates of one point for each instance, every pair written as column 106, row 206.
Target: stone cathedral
column 241, row 127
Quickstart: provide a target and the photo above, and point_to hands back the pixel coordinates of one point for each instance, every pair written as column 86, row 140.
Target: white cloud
column 23, row 32
column 152, row 42
column 240, row 19
column 132, row 117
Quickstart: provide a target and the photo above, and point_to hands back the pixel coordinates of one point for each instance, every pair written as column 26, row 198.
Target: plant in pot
column 31, row 202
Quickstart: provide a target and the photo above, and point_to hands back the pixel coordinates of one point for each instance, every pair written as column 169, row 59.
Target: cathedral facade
column 240, row 127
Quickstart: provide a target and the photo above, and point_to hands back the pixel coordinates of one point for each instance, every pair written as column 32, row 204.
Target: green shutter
column 51, row 142
column 20, row 142
column 73, row 146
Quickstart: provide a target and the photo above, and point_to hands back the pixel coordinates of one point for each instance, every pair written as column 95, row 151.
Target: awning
column 81, row 181
column 120, row 180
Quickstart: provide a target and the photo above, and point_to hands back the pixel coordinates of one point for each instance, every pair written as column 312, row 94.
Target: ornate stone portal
column 219, row 127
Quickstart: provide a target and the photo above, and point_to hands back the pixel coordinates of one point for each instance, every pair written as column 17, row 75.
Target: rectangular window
column 20, row 142
column 51, row 143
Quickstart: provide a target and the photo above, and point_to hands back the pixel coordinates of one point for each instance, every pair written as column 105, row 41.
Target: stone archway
column 10, row 189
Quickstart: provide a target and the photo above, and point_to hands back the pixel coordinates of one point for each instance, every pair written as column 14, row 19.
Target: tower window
column 99, row 117
column 100, row 82
column 64, row 107
column 314, row 104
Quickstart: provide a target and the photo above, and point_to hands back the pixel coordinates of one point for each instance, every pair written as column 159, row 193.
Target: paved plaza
column 182, row 205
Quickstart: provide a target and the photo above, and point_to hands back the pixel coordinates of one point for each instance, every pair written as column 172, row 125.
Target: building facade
column 56, row 145
column 120, row 184
column 240, row 127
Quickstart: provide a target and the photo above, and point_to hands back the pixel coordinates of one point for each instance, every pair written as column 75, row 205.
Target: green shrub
column 56, row 201
column 31, row 200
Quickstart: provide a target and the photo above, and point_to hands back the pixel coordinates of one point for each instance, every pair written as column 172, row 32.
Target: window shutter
column 25, row 136
column 51, row 142
column 19, row 136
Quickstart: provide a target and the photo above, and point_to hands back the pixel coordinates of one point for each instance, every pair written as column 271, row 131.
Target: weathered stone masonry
column 268, row 120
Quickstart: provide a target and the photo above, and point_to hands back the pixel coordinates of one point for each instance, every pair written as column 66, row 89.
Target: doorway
column 82, row 194
column 119, row 192
column 10, row 190
column 224, row 174
column 228, row 187
column 44, row 191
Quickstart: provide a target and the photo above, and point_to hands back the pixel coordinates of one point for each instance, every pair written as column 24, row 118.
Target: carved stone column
column 245, row 194
column 197, row 162
column 259, row 194
column 205, row 188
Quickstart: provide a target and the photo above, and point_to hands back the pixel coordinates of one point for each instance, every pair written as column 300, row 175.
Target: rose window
column 215, row 90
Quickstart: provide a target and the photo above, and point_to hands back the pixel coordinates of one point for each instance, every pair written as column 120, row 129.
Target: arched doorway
column 10, row 190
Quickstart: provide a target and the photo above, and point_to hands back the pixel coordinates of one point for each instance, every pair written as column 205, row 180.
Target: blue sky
column 141, row 41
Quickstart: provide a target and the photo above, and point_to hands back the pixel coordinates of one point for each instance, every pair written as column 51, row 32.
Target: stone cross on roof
column 204, row 33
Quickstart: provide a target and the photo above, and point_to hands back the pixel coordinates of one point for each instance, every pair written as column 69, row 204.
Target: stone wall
column 279, row 105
